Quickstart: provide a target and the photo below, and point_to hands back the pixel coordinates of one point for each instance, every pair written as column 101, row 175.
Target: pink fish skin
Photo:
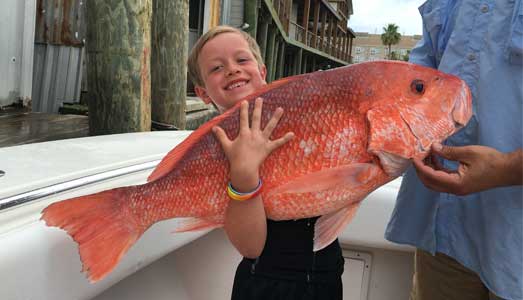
column 356, row 128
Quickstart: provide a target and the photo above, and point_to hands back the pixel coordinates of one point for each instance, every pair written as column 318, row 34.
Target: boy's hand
column 480, row 168
column 252, row 146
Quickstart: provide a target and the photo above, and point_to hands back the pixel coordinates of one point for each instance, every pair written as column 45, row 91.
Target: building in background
column 43, row 56
column 369, row 47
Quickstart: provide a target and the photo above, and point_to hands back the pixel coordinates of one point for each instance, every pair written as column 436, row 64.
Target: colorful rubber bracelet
column 235, row 195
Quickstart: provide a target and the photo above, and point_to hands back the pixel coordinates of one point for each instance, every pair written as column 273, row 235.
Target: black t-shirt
column 288, row 253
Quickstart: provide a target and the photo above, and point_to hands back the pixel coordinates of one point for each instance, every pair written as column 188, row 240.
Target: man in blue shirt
column 467, row 225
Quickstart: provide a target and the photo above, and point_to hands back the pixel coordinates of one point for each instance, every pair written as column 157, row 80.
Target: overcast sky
column 372, row 15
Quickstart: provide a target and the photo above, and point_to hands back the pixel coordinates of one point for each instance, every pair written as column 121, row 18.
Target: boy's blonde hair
column 192, row 62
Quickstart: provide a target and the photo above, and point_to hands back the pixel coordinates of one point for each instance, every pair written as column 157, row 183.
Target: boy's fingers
column 244, row 116
column 281, row 141
column 221, row 136
column 267, row 131
column 256, row 114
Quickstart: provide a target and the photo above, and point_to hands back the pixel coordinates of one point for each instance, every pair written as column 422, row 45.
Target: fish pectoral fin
column 352, row 176
column 328, row 227
column 195, row 224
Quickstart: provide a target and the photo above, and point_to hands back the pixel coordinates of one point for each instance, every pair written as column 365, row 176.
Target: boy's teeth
column 235, row 85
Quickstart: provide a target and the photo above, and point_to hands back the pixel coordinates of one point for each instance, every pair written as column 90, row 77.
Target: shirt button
column 471, row 56
column 484, row 8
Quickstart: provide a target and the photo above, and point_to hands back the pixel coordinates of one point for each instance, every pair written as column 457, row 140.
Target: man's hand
column 480, row 168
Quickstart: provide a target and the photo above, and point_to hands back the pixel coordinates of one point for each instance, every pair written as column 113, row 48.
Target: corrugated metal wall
column 16, row 53
column 60, row 22
column 57, row 76
column 59, row 55
column 236, row 15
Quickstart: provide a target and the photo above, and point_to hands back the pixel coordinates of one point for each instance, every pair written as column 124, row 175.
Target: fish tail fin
column 100, row 224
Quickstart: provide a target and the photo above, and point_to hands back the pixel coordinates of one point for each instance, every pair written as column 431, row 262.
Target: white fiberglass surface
column 32, row 166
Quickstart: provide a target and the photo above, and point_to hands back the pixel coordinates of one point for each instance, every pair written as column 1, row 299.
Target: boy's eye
column 242, row 59
column 215, row 68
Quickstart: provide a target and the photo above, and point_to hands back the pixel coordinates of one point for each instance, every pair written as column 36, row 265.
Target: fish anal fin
column 352, row 175
column 195, row 224
column 329, row 226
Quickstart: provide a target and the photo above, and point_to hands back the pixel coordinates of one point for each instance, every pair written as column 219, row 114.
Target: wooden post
column 119, row 53
column 317, row 5
column 304, row 64
column 275, row 56
column 330, row 39
column 297, row 62
column 288, row 12
column 281, row 58
column 346, row 47
column 305, row 20
column 262, row 37
column 169, row 61
column 350, row 49
column 250, row 12
column 270, row 51
column 334, row 51
column 323, row 30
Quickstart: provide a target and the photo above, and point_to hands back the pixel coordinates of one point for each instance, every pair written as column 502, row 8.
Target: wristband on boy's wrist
column 238, row 196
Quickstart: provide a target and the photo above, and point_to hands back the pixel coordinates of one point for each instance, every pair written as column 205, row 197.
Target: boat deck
column 19, row 126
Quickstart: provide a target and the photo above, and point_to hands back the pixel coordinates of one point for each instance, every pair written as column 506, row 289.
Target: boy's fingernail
column 437, row 146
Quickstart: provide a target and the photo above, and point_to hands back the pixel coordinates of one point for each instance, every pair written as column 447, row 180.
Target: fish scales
column 355, row 127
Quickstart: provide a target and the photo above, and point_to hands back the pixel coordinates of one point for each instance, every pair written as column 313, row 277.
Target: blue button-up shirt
column 480, row 41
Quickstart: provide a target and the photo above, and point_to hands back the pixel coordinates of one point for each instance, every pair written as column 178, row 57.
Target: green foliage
column 390, row 36
column 406, row 56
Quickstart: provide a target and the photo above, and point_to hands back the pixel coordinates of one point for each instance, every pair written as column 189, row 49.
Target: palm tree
column 390, row 36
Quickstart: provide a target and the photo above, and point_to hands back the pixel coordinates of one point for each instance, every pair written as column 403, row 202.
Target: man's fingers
column 269, row 128
column 437, row 180
column 281, row 141
column 256, row 114
column 222, row 137
column 449, row 152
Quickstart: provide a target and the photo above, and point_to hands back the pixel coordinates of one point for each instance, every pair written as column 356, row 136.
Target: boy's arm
column 245, row 222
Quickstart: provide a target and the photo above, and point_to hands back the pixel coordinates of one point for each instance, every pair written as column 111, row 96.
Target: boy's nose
column 231, row 70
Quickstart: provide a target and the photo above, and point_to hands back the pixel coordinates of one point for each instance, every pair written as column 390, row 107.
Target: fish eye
column 417, row 86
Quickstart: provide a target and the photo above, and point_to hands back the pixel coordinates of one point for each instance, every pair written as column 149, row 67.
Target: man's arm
column 480, row 168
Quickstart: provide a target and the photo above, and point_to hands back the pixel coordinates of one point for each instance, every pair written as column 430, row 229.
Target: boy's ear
column 263, row 72
column 202, row 94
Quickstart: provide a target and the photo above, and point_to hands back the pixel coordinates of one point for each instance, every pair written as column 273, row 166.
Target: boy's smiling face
column 229, row 70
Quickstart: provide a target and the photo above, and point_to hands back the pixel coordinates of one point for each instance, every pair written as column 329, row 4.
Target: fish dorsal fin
column 352, row 175
column 172, row 158
column 328, row 227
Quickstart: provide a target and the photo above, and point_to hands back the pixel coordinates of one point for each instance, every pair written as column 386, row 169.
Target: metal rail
column 16, row 200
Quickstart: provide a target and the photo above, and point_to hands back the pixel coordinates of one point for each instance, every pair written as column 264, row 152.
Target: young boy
column 225, row 66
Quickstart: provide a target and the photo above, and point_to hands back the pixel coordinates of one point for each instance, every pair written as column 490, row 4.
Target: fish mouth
column 462, row 110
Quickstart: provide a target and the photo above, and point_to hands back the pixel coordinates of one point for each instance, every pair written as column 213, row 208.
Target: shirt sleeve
column 423, row 53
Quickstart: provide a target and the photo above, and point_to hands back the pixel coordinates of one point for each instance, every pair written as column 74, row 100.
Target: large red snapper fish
column 356, row 128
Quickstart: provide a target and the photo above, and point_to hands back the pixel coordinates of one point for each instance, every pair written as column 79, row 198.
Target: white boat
column 40, row 262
